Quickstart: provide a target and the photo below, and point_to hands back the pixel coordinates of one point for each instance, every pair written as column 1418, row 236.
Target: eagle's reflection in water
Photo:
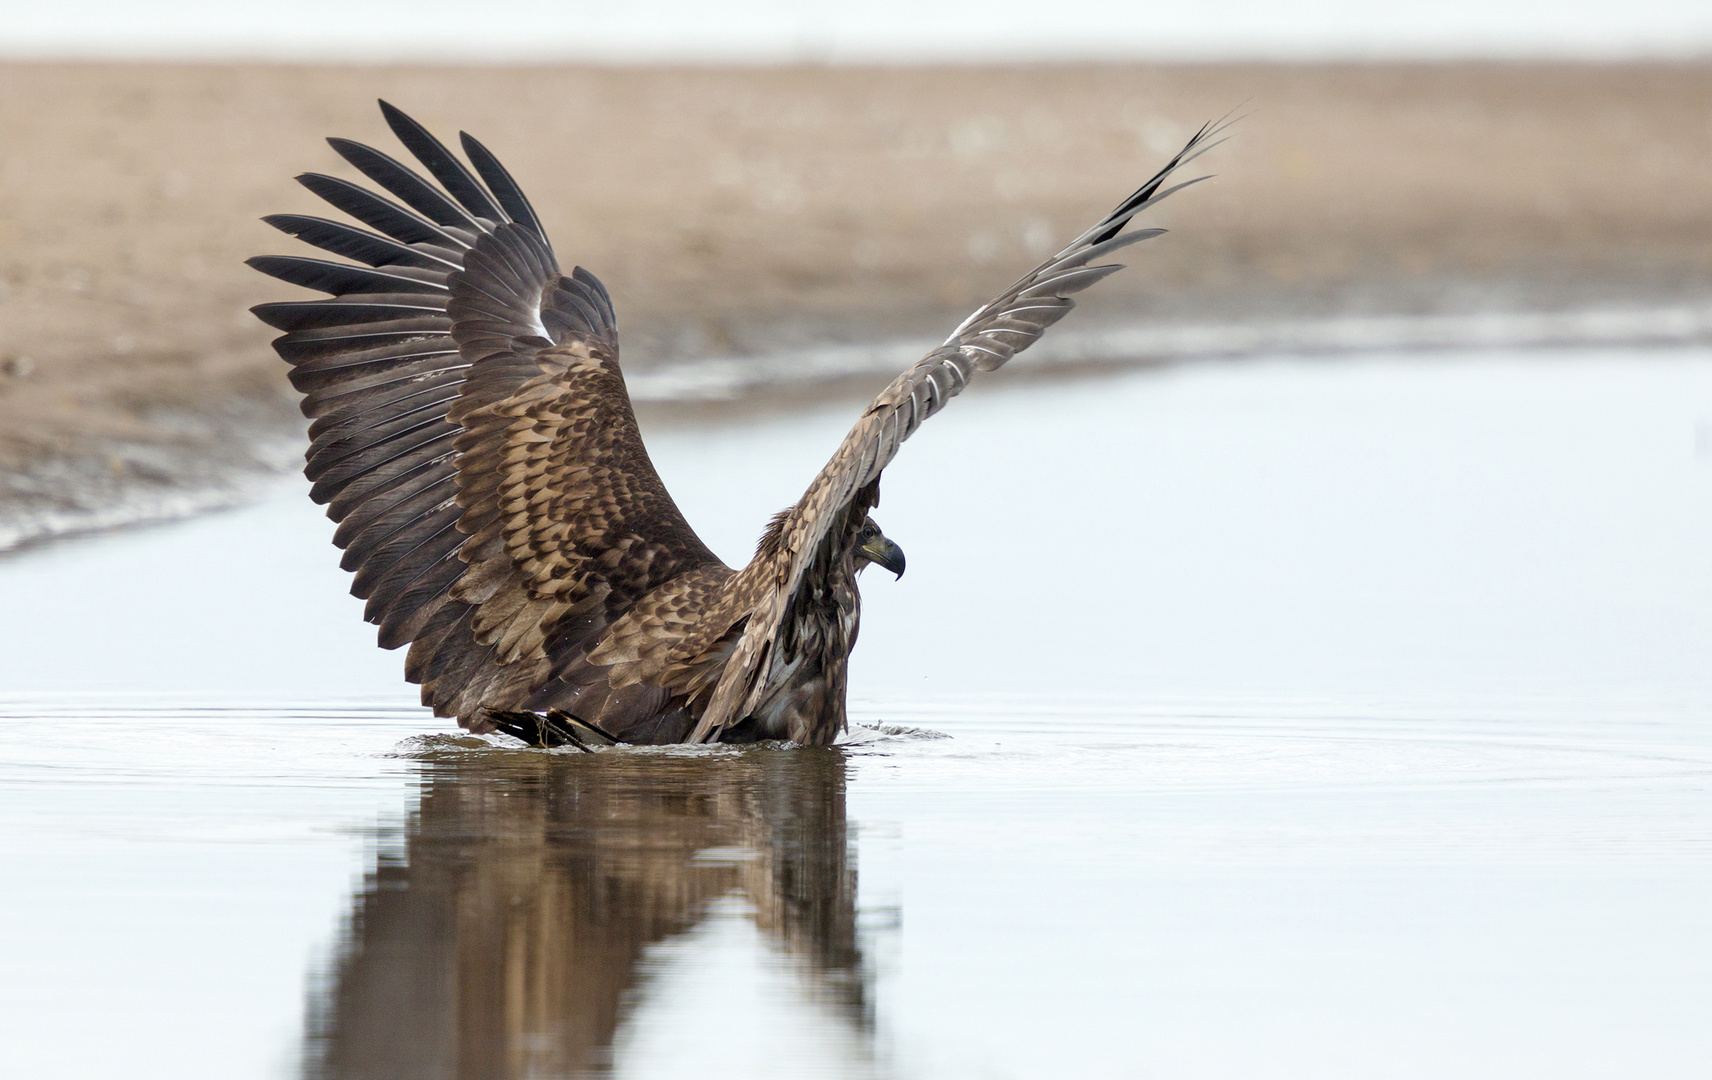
column 508, row 937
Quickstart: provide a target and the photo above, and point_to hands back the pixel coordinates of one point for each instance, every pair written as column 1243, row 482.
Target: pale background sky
column 907, row 30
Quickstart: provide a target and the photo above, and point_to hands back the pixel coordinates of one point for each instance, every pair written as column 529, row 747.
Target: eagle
column 473, row 438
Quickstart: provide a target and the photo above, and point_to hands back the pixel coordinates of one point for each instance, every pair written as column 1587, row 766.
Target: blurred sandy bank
column 813, row 212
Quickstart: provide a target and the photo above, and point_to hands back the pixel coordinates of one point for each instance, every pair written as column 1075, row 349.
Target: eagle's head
column 873, row 547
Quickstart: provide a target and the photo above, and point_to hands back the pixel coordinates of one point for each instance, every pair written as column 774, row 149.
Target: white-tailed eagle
column 473, row 439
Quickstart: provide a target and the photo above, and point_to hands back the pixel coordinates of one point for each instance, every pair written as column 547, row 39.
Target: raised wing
column 1000, row 329
column 472, row 434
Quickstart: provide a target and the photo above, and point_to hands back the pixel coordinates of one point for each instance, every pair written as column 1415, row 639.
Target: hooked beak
column 882, row 552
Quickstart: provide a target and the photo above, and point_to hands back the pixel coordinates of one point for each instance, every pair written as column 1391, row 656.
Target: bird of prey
column 473, row 439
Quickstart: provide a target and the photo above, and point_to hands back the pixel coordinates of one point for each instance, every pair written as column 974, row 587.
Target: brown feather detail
column 669, row 634
column 560, row 503
column 675, row 640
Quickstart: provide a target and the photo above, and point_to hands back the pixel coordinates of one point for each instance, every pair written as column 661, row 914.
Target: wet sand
column 750, row 211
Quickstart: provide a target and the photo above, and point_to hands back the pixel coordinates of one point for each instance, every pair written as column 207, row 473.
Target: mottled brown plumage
column 474, row 440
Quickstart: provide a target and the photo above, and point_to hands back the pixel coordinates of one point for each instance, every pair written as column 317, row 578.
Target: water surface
column 1303, row 719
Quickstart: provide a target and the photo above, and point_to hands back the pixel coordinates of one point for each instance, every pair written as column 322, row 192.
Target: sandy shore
column 762, row 211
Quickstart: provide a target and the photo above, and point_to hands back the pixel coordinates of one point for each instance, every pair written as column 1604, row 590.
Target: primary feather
column 474, row 440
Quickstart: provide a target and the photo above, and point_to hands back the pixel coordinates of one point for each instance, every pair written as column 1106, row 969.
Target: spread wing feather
column 989, row 337
column 472, row 435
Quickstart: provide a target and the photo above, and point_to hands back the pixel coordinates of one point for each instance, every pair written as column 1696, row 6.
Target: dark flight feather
column 355, row 243
column 409, row 188
column 377, row 212
column 439, row 161
column 339, row 279
column 364, row 308
column 383, row 396
column 504, row 187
